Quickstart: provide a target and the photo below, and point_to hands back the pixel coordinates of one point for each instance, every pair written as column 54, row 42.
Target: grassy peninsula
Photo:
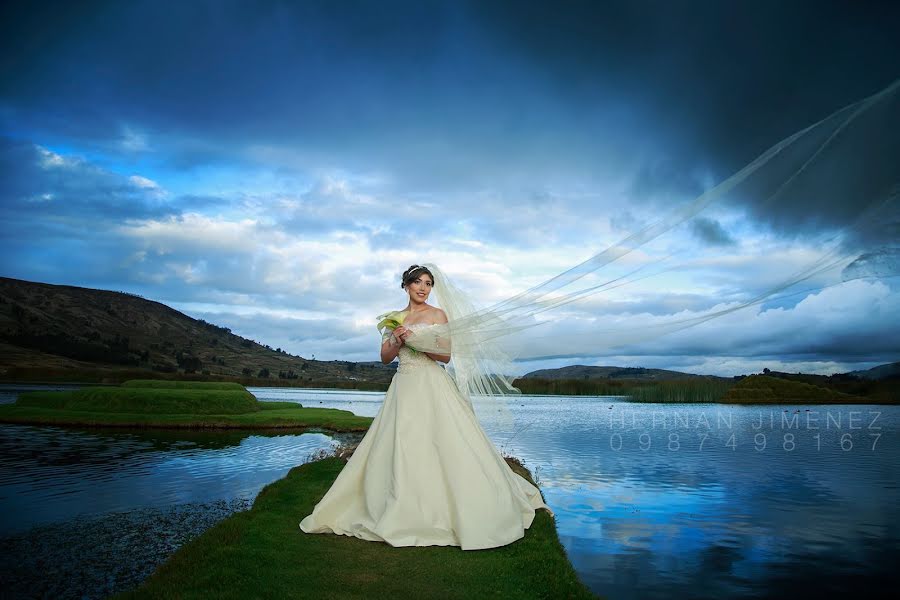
column 263, row 553
column 172, row 404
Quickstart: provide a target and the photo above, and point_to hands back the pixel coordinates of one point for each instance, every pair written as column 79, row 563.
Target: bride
column 425, row 473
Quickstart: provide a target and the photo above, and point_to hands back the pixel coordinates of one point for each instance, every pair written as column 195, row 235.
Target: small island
column 173, row 405
column 262, row 550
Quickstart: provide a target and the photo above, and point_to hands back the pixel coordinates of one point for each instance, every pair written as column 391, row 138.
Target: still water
column 651, row 500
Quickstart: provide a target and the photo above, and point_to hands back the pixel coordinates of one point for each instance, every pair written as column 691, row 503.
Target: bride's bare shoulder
column 438, row 315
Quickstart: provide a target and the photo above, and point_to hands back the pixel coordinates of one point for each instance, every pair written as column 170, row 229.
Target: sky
column 273, row 167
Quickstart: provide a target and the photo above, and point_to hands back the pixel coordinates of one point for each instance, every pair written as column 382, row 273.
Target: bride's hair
column 412, row 273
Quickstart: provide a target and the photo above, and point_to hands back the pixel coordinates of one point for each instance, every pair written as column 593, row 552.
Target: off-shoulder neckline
column 408, row 312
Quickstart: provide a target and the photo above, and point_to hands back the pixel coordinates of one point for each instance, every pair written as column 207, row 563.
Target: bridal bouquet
column 391, row 321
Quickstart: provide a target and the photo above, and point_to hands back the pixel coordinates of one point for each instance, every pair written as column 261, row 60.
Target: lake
column 651, row 500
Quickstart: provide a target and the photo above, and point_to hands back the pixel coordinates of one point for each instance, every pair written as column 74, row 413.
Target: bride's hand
column 401, row 333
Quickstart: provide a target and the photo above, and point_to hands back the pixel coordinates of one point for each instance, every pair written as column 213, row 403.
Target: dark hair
column 412, row 273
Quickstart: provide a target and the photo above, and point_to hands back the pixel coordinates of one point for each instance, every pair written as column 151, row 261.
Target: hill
column 590, row 372
column 61, row 332
column 878, row 389
column 765, row 389
column 879, row 372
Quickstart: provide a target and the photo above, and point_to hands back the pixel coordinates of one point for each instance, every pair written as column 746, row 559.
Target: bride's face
column 419, row 289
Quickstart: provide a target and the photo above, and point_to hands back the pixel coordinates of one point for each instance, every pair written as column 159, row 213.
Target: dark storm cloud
column 452, row 94
column 665, row 180
column 729, row 78
column 711, row 232
column 514, row 125
column 716, row 83
column 356, row 79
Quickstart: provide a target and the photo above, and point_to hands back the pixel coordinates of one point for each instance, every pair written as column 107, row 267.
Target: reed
column 694, row 389
column 682, row 390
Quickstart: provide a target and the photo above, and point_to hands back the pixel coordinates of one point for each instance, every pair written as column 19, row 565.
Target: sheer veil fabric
column 847, row 159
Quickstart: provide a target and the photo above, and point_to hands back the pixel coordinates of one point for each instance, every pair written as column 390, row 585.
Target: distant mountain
column 59, row 329
column 879, row 372
column 591, row 372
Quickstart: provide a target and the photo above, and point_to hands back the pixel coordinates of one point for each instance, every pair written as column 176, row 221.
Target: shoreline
column 318, row 421
column 862, row 401
column 95, row 556
column 263, row 548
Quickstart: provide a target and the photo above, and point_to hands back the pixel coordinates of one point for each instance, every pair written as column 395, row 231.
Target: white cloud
column 52, row 160
column 143, row 182
column 193, row 232
column 133, row 140
column 331, row 250
column 857, row 318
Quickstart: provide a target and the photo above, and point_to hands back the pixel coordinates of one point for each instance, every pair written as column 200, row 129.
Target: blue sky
column 273, row 167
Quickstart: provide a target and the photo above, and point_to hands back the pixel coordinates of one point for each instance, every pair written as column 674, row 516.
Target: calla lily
column 392, row 320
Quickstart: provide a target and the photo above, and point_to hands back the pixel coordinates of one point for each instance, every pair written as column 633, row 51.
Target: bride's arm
column 390, row 348
column 444, row 358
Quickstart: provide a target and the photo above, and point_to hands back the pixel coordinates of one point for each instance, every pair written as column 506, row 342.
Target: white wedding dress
column 426, row 473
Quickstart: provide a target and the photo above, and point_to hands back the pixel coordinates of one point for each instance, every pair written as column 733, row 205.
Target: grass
column 267, row 418
column 117, row 375
column 194, row 405
column 262, row 553
column 144, row 400
column 176, row 384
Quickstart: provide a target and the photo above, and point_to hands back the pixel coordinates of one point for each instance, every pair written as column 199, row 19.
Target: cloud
column 69, row 189
column 852, row 322
column 293, row 159
column 326, row 338
column 451, row 97
column 711, row 232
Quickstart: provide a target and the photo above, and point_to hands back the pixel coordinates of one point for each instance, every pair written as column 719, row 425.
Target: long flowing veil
column 850, row 157
column 479, row 366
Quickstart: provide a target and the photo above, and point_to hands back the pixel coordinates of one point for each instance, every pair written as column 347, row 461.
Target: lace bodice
column 411, row 360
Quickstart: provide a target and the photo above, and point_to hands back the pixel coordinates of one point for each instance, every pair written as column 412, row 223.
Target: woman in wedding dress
column 425, row 473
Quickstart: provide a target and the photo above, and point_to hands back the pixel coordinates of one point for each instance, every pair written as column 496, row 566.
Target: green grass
column 277, row 417
column 197, row 405
column 175, row 384
column 117, row 376
column 262, row 553
column 144, row 400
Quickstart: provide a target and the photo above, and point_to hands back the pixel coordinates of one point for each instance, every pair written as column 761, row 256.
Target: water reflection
column 51, row 474
column 708, row 501
column 9, row 391
column 652, row 501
